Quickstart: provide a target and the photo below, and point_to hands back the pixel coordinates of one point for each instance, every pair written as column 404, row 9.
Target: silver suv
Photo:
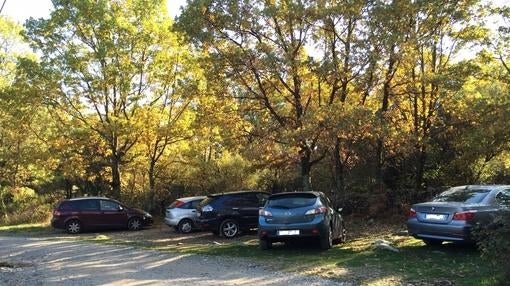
column 182, row 214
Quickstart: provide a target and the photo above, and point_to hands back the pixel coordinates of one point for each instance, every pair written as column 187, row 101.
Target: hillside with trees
column 379, row 104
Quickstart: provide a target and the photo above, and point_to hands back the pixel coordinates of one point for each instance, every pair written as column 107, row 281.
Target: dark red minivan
column 89, row 213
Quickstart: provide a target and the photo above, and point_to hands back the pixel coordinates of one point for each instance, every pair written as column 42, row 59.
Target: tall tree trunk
column 306, row 166
column 338, row 167
column 152, row 186
column 115, row 168
column 384, row 107
column 420, row 168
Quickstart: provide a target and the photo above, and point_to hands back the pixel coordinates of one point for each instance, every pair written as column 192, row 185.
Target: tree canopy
column 378, row 103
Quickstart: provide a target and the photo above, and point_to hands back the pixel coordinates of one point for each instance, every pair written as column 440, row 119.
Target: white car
column 182, row 214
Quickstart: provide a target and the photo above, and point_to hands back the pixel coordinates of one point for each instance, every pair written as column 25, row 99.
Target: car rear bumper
column 459, row 231
column 313, row 229
column 58, row 223
column 171, row 221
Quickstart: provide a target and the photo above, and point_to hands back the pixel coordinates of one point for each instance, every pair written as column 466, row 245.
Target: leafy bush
column 24, row 205
column 494, row 244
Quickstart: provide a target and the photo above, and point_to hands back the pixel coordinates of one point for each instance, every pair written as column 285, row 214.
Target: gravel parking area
column 56, row 261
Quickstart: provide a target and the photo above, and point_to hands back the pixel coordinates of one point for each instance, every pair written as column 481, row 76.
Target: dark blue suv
column 228, row 214
column 294, row 216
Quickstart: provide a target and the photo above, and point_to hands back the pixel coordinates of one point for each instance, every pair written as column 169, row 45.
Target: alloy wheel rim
column 186, row 227
column 74, row 227
column 135, row 224
column 230, row 229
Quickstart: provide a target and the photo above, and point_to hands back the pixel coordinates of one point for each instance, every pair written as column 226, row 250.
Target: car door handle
column 193, row 211
column 236, row 209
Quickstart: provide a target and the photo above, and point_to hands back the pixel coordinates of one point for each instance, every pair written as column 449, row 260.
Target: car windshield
column 289, row 201
column 467, row 196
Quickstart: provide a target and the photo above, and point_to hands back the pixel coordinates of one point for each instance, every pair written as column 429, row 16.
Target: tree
column 104, row 56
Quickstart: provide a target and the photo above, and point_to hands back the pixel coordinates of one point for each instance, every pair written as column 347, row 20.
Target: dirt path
column 51, row 261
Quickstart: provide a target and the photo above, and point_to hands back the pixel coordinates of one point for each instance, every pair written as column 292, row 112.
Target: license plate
column 288, row 232
column 435, row 216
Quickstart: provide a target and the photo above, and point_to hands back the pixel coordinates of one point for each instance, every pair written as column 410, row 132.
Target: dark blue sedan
column 293, row 216
column 451, row 215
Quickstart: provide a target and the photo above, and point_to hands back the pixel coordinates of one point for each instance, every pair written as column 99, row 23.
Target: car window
column 467, row 196
column 503, row 198
column 195, row 203
column 66, row 206
column 109, row 206
column 289, row 201
column 88, row 205
column 185, row 206
column 244, row 200
column 250, row 200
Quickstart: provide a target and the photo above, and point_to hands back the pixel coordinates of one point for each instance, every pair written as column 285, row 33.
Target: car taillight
column 319, row 210
column 178, row 203
column 265, row 213
column 464, row 216
column 56, row 213
column 411, row 213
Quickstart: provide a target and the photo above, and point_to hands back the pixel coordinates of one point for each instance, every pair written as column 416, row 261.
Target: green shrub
column 24, row 205
column 494, row 243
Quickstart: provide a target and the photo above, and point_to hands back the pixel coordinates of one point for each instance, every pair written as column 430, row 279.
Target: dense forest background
column 377, row 103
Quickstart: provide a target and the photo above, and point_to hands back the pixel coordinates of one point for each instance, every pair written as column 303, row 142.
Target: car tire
column 326, row 242
column 265, row 244
column 185, row 225
column 134, row 224
column 229, row 228
column 73, row 226
column 433, row 242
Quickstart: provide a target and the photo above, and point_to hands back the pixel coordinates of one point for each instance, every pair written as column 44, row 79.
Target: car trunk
column 289, row 216
column 442, row 212
column 291, row 208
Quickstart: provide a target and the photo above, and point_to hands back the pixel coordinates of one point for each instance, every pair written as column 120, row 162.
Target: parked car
column 297, row 215
column 88, row 213
column 182, row 214
column 229, row 213
column 451, row 215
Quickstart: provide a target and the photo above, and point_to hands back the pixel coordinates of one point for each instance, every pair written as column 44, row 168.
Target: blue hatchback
column 296, row 215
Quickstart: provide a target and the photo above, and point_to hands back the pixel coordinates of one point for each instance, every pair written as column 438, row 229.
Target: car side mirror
column 120, row 208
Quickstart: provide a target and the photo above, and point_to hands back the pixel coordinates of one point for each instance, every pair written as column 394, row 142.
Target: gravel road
column 47, row 261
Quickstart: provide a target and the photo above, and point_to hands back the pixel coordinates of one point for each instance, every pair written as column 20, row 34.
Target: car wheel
column 229, row 228
column 265, row 244
column 327, row 240
column 73, row 226
column 433, row 242
column 185, row 226
column 134, row 223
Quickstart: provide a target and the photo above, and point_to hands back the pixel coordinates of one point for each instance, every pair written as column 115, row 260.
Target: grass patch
column 354, row 261
column 30, row 228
